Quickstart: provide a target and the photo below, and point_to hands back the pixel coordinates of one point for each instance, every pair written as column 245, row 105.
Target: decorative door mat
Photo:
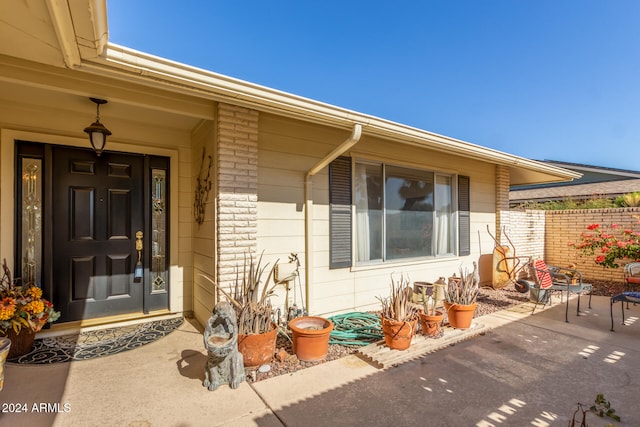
column 97, row 343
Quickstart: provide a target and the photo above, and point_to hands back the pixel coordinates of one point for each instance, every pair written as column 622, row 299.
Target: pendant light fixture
column 97, row 131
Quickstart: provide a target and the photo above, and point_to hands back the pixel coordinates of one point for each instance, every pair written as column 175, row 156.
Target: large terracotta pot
column 430, row 324
column 21, row 342
column 311, row 337
column 460, row 315
column 258, row 349
column 398, row 335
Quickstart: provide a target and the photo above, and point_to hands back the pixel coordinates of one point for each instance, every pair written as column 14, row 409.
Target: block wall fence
column 547, row 234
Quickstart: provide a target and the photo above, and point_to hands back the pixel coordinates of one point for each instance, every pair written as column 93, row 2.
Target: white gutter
column 356, row 133
column 140, row 68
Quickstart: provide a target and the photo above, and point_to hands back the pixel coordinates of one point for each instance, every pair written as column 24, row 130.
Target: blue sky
column 543, row 79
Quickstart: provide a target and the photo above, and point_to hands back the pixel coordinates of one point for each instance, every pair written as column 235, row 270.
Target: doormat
column 97, row 343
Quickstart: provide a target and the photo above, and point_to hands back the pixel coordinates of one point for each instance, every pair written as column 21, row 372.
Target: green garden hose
column 355, row 329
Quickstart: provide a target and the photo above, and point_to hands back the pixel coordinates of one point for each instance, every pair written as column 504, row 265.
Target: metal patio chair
column 627, row 297
column 631, row 276
column 550, row 279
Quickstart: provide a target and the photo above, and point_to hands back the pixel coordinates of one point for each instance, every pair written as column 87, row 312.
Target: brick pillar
column 502, row 203
column 237, row 189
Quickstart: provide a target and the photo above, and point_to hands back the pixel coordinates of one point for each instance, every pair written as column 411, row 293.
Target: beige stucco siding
column 204, row 234
column 281, row 223
column 287, row 149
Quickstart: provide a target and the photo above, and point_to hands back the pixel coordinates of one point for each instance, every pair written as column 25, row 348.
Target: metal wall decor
column 203, row 187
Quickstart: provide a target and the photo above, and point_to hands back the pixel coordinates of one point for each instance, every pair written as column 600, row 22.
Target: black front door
column 97, row 209
column 80, row 220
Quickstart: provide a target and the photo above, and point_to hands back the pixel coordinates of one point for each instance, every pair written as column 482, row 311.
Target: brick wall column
column 237, row 189
column 503, row 182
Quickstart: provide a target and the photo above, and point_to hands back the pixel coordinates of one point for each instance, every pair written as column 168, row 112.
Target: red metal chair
column 631, row 276
column 550, row 278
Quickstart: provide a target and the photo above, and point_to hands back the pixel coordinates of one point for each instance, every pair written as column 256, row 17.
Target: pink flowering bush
column 609, row 245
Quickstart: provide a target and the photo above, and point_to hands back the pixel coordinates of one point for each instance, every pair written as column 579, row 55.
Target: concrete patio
column 522, row 370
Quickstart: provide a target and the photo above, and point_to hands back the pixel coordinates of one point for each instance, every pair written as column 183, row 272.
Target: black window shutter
column 464, row 217
column 340, row 213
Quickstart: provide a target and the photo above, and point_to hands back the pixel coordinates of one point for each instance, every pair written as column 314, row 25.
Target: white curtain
column 363, row 245
column 442, row 233
column 443, row 201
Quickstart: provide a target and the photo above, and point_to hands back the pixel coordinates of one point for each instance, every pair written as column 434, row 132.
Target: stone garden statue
column 224, row 362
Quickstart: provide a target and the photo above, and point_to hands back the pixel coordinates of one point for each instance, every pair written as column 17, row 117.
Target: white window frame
column 453, row 229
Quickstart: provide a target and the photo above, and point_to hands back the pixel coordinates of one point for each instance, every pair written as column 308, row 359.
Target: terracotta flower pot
column 430, row 324
column 460, row 315
column 20, row 343
column 311, row 337
column 398, row 335
column 258, row 349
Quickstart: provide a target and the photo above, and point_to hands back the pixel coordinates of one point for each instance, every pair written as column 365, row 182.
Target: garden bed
column 489, row 301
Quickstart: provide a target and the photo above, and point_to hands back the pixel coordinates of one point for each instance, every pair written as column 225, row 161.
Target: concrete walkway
column 524, row 370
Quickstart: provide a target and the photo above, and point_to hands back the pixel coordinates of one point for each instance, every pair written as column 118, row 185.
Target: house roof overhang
column 73, row 34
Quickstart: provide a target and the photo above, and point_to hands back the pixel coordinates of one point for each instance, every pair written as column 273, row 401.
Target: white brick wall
column 528, row 232
column 237, row 182
column 502, row 203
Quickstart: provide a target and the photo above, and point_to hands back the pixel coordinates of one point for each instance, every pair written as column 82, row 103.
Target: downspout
column 356, row 133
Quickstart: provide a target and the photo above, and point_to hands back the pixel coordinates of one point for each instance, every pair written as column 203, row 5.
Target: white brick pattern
column 502, row 203
column 237, row 188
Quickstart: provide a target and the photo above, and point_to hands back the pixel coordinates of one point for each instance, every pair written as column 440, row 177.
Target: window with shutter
column 400, row 213
column 464, row 216
column 340, row 213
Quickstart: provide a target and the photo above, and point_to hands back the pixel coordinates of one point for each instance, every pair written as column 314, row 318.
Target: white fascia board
column 81, row 28
column 63, row 27
column 125, row 63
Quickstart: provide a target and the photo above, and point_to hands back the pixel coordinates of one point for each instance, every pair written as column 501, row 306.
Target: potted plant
column 23, row 313
column 461, row 296
column 257, row 332
column 310, row 337
column 430, row 318
column 399, row 317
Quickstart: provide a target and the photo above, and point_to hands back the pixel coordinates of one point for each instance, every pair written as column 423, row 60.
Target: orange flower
column 7, row 308
column 23, row 306
column 34, row 292
column 34, row 307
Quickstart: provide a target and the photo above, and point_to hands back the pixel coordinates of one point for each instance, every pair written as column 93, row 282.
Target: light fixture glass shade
column 97, row 136
column 97, row 131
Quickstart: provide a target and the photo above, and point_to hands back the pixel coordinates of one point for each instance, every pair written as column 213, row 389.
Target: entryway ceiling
column 28, row 32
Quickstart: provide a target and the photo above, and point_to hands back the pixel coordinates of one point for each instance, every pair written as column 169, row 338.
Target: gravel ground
column 489, row 301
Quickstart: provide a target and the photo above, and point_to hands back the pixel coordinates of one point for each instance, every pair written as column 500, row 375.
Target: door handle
column 137, row 274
